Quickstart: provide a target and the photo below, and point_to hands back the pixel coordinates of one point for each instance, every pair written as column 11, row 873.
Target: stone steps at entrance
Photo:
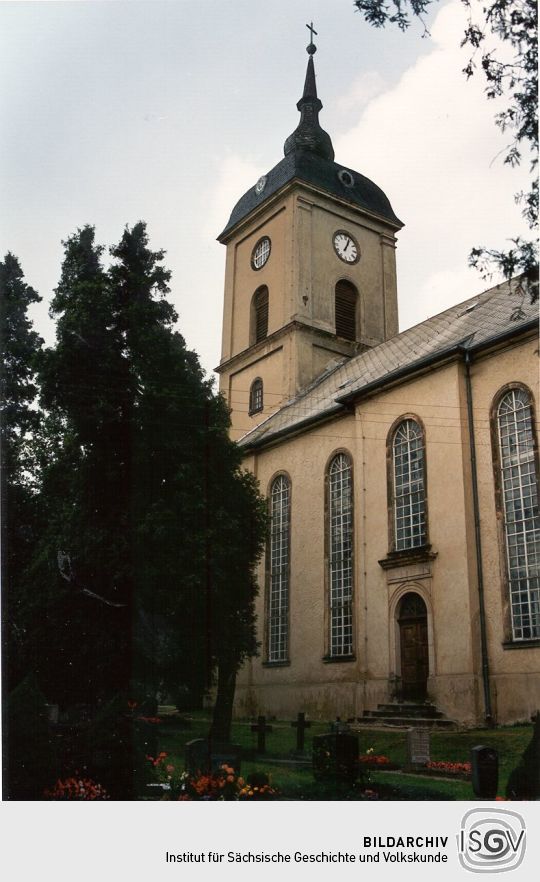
column 405, row 709
column 404, row 715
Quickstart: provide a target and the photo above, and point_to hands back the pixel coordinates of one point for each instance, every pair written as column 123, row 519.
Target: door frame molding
column 394, row 630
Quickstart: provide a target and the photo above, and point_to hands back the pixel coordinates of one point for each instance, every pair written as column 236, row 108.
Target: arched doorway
column 413, row 639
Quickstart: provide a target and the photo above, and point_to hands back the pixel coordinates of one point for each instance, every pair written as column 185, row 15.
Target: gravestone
column 418, row 747
column 261, row 728
column 225, row 755
column 335, row 756
column 197, row 756
column 300, row 725
column 484, row 771
column 203, row 758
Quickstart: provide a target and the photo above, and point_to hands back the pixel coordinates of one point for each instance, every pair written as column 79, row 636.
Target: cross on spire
column 311, row 49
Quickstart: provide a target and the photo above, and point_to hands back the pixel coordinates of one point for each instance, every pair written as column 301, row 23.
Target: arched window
column 519, row 485
column 340, row 555
column 278, row 594
column 346, row 300
column 259, row 314
column 408, row 459
column 256, row 396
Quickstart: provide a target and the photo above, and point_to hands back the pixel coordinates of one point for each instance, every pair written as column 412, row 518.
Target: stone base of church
column 515, row 698
column 319, row 701
column 458, row 697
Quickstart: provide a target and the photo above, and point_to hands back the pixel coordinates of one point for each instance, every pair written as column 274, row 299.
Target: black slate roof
column 306, row 166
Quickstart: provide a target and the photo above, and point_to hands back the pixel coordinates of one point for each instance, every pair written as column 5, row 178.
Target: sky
column 167, row 112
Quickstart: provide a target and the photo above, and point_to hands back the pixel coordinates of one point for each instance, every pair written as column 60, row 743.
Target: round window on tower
column 260, row 185
column 260, row 253
column 346, row 178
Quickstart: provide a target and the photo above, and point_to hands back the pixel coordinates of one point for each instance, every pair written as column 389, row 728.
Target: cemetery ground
column 291, row 772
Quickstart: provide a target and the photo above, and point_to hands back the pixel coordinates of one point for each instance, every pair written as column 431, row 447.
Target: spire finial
column 311, row 49
column 308, row 136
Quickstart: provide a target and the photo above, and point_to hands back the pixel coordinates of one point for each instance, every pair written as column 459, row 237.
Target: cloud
column 362, row 90
column 234, row 175
column 431, row 143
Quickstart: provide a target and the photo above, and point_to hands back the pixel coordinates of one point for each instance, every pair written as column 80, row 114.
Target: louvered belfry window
column 260, row 318
column 521, row 515
column 278, row 596
column 340, row 548
column 346, row 300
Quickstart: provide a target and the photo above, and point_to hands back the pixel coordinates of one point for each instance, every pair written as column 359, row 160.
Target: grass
column 297, row 782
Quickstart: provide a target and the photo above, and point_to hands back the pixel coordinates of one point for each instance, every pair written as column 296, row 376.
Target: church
column 401, row 469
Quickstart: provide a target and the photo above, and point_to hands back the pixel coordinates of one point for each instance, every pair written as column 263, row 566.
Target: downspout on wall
column 488, row 714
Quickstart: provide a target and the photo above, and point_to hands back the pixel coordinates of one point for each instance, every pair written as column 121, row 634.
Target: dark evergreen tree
column 20, row 346
column 81, row 611
column 153, row 530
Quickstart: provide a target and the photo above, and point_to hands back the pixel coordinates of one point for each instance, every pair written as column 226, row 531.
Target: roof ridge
column 437, row 335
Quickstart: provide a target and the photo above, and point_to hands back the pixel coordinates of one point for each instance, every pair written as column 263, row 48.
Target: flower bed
column 76, row 788
column 224, row 785
column 377, row 761
column 447, row 770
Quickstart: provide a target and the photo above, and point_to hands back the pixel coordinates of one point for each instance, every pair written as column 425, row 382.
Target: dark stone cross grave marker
column 484, row 771
column 418, row 747
column 300, row 725
column 261, row 728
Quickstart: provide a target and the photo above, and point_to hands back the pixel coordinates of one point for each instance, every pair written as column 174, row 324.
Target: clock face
column 346, row 247
column 260, row 253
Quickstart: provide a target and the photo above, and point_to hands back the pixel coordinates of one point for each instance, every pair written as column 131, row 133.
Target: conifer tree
column 19, row 422
column 153, row 530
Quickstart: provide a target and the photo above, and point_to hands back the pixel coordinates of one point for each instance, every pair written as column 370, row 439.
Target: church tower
column 310, row 274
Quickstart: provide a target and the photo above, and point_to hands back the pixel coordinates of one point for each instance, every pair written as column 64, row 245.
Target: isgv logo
column 491, row 840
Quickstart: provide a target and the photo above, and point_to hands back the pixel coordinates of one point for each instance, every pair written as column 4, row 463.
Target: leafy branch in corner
column 510, row 70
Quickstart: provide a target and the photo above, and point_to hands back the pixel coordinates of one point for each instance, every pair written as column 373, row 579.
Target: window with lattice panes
column 410, row 529
column 340, row 556
column 256, row 396
column 519, row 483
column 278, row 589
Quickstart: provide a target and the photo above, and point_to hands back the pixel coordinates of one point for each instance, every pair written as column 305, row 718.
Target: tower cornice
column 345, row 199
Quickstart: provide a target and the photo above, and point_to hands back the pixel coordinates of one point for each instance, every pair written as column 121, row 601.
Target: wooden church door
column 414, row 647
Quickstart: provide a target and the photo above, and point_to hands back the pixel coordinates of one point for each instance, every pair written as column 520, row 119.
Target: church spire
column 309, row 136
